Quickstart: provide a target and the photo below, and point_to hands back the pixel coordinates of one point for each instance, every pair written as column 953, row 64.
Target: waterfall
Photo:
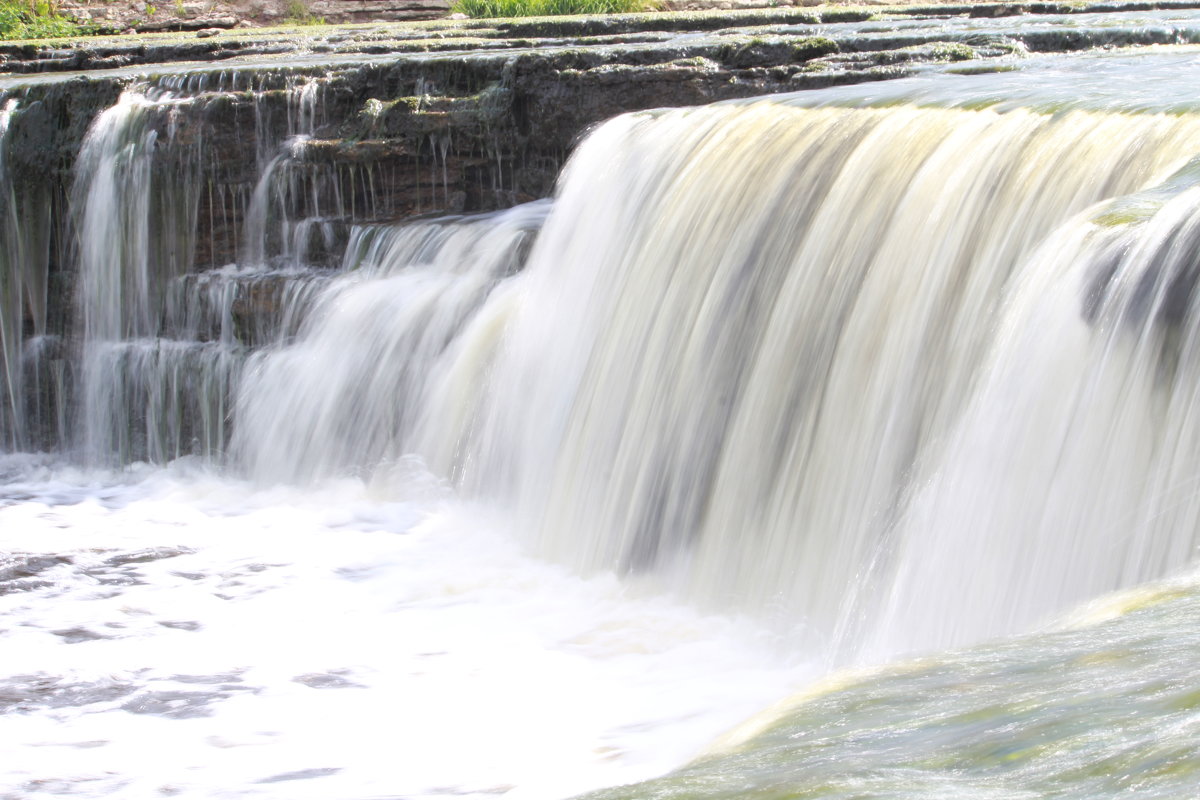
column 744, row 397
column 163, row 346
column 134, row 237
column 30, row 384
column 769, row 356
column 388, row 413
column 880, row 376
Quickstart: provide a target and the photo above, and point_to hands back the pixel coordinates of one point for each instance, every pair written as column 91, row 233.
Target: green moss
column 743, row 52
column 298, row 13
column 813, row 47
column 546, row 8
column 374, row 108
column 982, row 69
column 695, row 62
column 951, row 51
column 832, row 15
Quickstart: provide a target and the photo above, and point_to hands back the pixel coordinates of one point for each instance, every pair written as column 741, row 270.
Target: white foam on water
column 204, row 639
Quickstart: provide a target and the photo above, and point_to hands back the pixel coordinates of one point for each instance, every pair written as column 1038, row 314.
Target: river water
column 884, row 395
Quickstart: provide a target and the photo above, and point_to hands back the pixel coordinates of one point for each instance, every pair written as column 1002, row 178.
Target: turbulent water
column 549, row 499
column 170, row 633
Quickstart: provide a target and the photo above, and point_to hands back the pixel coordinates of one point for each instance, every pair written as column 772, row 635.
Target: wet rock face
column 45, row 137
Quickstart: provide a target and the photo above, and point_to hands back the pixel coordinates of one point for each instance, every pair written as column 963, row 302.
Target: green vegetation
column 951, row 51
column 298, row 13
column 547, row 8
column 35, row 19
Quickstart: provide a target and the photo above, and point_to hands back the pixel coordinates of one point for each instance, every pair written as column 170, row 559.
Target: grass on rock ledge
column 35, row 19
column 547, row 8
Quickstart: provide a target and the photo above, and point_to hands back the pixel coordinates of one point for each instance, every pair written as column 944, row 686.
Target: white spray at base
column 189, row 636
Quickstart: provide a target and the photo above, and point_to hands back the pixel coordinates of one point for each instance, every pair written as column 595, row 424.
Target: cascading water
column 746, row 396
column 408, row 294
column 11, row 316
column 1081, row 438
column 285, row 185
column 851, row 375
column 162, row 350
column 127, row 255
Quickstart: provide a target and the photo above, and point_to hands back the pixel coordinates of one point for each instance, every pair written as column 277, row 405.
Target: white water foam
column 198, row 638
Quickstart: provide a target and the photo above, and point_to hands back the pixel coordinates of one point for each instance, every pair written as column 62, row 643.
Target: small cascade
column 298, row 210
column 305, row 202
column 11, row 315
column 369, row 370
column 134, row 237
column 31, row 375
column 164, row 344
column 309, row 192
column 274, row 210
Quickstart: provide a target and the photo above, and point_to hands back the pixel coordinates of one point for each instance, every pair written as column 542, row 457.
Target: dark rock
column 77, row 635
column 326, row 680
column 301, row 775
column 174, row 704
column 180, row 625
column 146, row 556
column 23, row 692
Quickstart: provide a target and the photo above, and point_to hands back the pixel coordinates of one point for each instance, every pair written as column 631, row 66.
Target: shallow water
column 1150, row 80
